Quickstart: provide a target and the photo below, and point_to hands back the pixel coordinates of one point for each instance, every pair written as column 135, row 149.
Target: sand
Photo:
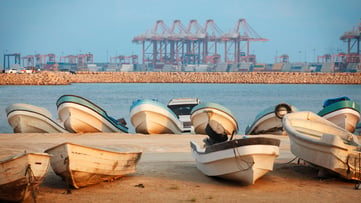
column 167, row 173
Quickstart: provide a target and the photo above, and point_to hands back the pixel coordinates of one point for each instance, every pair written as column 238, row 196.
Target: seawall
column 66, row 78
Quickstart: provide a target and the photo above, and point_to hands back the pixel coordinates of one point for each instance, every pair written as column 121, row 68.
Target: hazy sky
column 302, row 29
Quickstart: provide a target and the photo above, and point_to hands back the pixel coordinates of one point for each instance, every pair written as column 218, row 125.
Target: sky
column 302, row 29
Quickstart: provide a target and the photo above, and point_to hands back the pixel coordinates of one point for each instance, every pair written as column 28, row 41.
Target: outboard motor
column 216, row 133
column 282, row 109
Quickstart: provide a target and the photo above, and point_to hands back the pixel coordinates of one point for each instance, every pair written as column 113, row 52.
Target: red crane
column 195, row 44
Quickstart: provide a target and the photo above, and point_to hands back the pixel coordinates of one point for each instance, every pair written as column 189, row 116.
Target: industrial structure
column 195, row 47
column 196, row 44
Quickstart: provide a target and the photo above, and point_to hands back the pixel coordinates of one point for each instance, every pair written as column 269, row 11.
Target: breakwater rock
column 65, row 78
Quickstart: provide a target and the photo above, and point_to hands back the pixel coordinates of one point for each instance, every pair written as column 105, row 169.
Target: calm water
column 244, row 100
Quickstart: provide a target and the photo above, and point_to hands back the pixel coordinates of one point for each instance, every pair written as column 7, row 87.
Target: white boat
column 242, row 160
column 324, row 144
column 342, row 111
column 152, row 117
column 204, row 112
column 269, row 121
column 80, row 115
column 182, row 107
column 80, row 165
column 21, row 175
column 27, row 118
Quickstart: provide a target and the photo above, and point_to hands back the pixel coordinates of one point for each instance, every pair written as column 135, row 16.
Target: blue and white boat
column 203, row 113
column 342, row 111
column 80, row 115
column 269, row 121
column 152, row 117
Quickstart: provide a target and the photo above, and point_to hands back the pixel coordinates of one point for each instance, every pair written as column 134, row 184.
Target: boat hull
column 148, row 117
column 81, row 166
column 345, row 114
column 241, row 160
column 82, row 116
column 22, row 174
column 25, row 118
column 200, row 117
column 269, row 121
column 324, row 144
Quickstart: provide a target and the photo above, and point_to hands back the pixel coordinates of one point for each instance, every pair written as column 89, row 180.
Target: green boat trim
column 345, row 104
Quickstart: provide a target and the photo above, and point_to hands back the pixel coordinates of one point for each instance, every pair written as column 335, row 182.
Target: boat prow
column 324, row 144
column 269, row 121
column 81, row 165
column 243, row 160
column 21, row 175
column 27, row 118
column 342, row 111
column 80, row 115
column 204, row 112
column 152, row 117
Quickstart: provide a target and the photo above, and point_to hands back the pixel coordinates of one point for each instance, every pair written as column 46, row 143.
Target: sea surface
column 244, row 100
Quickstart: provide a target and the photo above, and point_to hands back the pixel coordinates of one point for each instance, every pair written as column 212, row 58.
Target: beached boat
column 243, row 160
column 21, row 175
column 269, row 121
column 182, row 107
column 27, row 118
column 324, row 144
column 342, row 111
column 80, row 165
column 80, row 115
column 152, row 117
column 204, row 112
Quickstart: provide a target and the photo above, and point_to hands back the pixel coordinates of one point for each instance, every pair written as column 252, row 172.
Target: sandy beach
column 167, row 173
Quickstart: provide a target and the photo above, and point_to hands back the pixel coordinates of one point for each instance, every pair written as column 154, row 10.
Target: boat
column 322, row 143
column 269, row 121
column 81, row 166
column 149, row 116
column 358, row 129
column 204, row 112
column 243, row 160
column 80, row 115
column 27, row 118
column 21, row 175
column 342, row 111
column 182, row 107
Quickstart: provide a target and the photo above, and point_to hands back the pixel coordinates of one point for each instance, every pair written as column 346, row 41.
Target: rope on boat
column 239, row 160
column 31, row 180
column 357, row 164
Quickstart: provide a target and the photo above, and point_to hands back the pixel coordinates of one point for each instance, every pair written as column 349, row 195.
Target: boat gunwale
column 231, row 144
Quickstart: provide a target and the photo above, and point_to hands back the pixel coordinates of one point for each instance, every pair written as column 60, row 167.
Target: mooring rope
column 239, row 160
column 31, row 180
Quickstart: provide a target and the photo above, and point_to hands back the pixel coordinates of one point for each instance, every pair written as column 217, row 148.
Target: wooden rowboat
column 21, row 175
column 80, row 165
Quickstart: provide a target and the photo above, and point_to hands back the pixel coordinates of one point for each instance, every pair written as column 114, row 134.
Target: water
column 244, row 100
